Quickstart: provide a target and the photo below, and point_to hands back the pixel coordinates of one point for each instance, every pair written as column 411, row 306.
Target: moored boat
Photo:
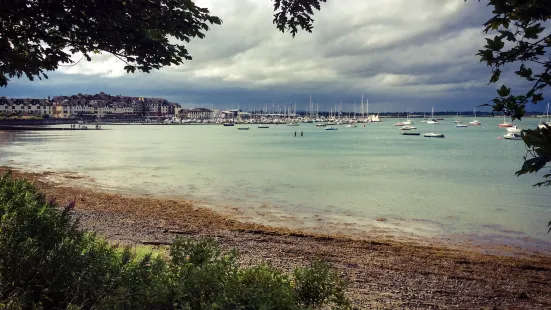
column 512, row 136
column 330, row 128
column 505, row 124
column 514, row 129
column 433, row 135
column 242, row 128
column 406, row 133
column 263, row 126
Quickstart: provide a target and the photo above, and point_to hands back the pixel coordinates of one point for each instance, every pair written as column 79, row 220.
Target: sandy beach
column 383, row 273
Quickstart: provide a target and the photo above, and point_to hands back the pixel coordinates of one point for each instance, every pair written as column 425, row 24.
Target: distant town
column 105, row 107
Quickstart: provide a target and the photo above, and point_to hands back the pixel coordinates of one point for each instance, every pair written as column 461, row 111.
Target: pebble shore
column 383, row 274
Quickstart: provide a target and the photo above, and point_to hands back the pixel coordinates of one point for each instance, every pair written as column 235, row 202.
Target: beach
column 385, row 273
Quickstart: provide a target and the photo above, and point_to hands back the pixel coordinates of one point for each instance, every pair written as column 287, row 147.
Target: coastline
column 383, row 272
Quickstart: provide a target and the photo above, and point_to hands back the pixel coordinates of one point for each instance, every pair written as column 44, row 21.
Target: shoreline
column 274, row 219
column 383, row 272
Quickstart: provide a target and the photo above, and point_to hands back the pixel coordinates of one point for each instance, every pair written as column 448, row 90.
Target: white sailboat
column 474, row 122
column 432, row 120
column 408, row 121
column 541, row 125
column 424, row 118
column 458, row 122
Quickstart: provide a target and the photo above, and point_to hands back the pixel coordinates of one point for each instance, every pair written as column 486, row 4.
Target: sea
column 364, row 181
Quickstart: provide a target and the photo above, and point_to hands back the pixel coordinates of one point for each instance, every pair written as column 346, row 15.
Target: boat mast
column 363, row 113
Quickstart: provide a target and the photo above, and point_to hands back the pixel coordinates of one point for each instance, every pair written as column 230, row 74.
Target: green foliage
column 39, row 36
column 318, row 285
column 48, row 263
column 292, row 15
column 520, row 24
column 538, row 143
column 20, row 116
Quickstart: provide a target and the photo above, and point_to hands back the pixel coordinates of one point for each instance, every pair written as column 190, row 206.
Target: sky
column 401, row 55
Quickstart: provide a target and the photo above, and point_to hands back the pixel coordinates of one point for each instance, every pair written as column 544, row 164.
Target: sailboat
column 474, row 122
column 432, row 120
column 458, row 122
column 504, row 124
column 408, row 121
column 424, row 118
column 541, row 125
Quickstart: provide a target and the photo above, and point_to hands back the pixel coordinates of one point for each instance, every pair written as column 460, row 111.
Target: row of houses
column 102, row 106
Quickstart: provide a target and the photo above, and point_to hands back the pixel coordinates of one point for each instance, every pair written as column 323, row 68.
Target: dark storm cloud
column 400, row 54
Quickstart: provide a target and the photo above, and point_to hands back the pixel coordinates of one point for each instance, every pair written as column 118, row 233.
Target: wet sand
column 383, row 273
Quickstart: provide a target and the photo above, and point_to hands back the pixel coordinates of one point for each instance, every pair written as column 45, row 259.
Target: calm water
column 460, row 186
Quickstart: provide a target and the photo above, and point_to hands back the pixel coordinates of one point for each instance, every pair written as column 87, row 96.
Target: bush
column 48, row 263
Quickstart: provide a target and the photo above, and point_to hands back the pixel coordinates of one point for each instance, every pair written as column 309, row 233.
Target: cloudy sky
column 400, row 54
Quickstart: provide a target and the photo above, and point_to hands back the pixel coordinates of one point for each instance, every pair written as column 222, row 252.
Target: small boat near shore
column 242, row 128
column 330, row 128
column 263, row 126
column 406, row 133
column 433, row 135
column 512, row 136
column 514, row 129
column 228, row 124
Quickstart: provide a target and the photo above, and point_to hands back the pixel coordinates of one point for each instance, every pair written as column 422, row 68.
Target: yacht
column 461, row 125
column 351, row 125
column 330, row 128
column 408, row 121
column 263, row 126
column 458, row 120
column 408, row 127
column 432, row 120
column 399, row 124
column 512, row 136
column 406, row 133
column 514, row 129
column 433, row 135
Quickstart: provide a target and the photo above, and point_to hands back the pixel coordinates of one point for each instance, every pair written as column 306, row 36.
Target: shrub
column 48, row 263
